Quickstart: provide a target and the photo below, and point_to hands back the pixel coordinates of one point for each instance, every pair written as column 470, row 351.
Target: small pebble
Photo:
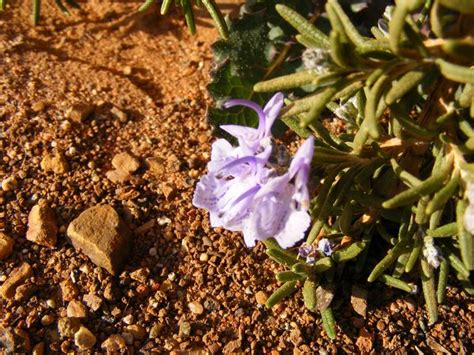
column 84, row 339
column 261, row 297
column 195, row 307
column 47, row 319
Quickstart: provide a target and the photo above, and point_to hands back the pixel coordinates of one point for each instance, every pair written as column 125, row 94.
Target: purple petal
column 249, row 104
column 272, row 110
column 293, row 229
column 222, row 149
column 303, row 156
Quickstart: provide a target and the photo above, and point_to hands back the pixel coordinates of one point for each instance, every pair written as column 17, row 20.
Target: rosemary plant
column 393, row 167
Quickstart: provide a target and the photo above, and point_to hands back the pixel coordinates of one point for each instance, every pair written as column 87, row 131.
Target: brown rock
column 137, row 331
column 365, row 341
column 117, row 176
column 92, row 301
column 101, row 235
column 76, row 309
column 156, row 166
column 38, row 349
column 114, row 344
column 261, row 297
column 38, row 106
column 84, row 339
column 156, row 330
column 7, row 340
column 119, row 114
column 16, row 278
column 79, row 112
column 140, row 275
column 68, row 290
column 125, row 162
column 67, row 327
column 359, row 300
column 6, row 246
column 196, row 307
column 42, row 226
column 232, row 346
column 24, row 292
column 55, row 163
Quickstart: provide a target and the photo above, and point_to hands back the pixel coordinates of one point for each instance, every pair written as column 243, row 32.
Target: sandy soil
column 184, row 286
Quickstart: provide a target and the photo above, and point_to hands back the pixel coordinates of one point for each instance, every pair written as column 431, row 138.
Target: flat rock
column 80, row 111
column 101, row 235
column 359, row 300
column 42, row 225
column 125, row 162
column 76, row 309
column 6, row 246
column 55, row 163
column 94, row 302
column 16, row 278
column 117, row 176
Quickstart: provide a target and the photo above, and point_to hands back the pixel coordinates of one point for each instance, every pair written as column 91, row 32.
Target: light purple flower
column 324, row 246
column 280, row 206
column 250, row 138
column 244, row 192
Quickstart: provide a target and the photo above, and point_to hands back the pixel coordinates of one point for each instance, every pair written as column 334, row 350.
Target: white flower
column 316, row 59
column 469, row 213
column 431, row 253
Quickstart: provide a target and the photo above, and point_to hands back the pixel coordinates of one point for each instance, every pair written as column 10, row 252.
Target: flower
column 469, row 212
column 250, row 138
column 324, row 246
column 431, row 253
column 244, row 192
column 316, row 59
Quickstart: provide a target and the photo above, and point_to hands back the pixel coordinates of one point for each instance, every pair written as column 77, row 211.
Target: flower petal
column 272, row 110
column 294, row 229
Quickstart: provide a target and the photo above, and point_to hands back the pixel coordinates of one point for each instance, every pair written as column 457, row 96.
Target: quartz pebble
column 76, row 309
column 101, row 235
column 6, row 246
column 195, row 307
column 42, row 225
column 84, row 339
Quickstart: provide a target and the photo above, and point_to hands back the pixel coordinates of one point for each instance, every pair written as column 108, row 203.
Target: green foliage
column 248, row 56
column 393, row 177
